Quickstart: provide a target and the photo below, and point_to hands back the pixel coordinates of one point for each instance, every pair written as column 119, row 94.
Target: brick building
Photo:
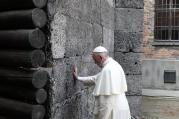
column 160, row 59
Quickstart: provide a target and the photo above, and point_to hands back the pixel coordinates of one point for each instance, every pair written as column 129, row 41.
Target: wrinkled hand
column 75, row 73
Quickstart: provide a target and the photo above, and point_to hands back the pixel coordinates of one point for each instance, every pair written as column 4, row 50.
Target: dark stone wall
column 76, row 27
column 138, row 4
column 128, row 36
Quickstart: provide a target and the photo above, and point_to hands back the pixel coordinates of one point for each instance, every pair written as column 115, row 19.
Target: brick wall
column 151, row 51
column 157, row 107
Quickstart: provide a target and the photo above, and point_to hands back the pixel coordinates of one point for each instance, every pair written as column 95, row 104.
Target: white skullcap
column 100, row 49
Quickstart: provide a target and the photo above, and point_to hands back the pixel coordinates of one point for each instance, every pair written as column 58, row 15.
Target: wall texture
column 153, row 74
column 76, row 27
column 128, row 35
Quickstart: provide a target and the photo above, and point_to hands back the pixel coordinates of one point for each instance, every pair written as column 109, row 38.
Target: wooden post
column 22, row 39
column 20, row 110
column 37, row 96
column 23, row 19
column 34, row 58
column 6, row 5
column 24, row 78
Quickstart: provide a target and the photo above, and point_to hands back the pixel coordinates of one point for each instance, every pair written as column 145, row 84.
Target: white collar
column 106, row 61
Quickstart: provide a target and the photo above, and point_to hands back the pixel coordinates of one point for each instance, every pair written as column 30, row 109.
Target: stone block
column 107, row 14
column 130, row 62
column 128, row 41
column 85, row 67
column 135, row 106
column 97, row 35
column 134, row 84
column 84, row 10
column 79, row 38
column 58, row 35
column 129, row 20
column 78, row 106
column 72, row 8
column 58, row 81
column 96, row 11
column 62, row 83
column 59, row 69
column 138, row 4
column 108, row 39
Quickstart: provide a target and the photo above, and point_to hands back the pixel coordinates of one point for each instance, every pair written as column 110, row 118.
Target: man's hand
column 75, row 73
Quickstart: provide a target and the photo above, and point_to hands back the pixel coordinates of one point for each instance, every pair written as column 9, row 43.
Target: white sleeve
column 88, row 79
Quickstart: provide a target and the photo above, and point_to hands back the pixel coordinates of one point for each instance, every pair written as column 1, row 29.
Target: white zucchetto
column 100, row 49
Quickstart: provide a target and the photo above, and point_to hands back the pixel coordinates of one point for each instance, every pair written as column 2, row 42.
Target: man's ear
column 100, row 57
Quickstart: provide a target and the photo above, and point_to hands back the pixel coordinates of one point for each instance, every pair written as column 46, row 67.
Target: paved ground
column 160, row 107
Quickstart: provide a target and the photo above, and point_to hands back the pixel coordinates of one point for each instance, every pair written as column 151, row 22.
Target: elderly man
column 110, row 87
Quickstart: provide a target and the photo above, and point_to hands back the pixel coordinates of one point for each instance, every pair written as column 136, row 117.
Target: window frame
column 169, row 28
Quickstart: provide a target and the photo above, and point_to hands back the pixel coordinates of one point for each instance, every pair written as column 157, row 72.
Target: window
column 169, row 76
column 166, row 20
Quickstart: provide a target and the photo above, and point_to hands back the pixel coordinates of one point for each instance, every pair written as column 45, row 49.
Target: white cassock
column 109, row 91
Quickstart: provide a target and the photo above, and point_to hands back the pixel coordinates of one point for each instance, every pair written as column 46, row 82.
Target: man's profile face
column 97, row 59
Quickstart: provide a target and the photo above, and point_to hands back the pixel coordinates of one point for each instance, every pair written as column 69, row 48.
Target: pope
column 110, row 87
